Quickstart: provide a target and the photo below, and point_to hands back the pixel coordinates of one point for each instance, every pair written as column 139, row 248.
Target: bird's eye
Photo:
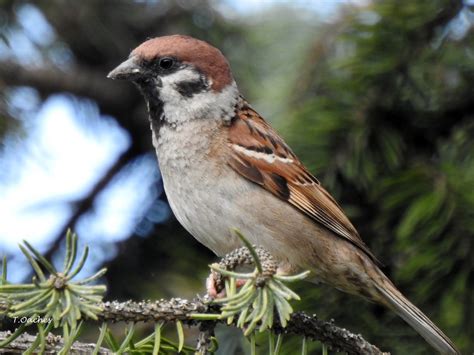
column 166, row 63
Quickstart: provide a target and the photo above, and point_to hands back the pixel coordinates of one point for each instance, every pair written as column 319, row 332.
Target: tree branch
column 53, row 345
column 77, row 81
column 204, row 342
column 85, row 203
column 175, row 309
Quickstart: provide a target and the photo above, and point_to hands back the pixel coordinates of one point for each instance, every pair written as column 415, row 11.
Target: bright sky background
column 41, row 174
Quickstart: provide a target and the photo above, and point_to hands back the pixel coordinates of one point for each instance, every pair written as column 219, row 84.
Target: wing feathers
column 260, row 155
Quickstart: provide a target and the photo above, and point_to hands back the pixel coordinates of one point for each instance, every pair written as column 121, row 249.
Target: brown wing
column 260, row 155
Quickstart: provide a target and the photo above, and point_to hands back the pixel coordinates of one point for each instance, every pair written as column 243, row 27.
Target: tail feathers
column 417, row 320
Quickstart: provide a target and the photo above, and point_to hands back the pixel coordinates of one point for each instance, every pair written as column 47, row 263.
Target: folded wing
column 260, row 155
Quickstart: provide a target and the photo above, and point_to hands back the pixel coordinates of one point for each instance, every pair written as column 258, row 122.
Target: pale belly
column 209, row 207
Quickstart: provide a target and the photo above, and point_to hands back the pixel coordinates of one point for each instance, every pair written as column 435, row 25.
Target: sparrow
column 223, row 166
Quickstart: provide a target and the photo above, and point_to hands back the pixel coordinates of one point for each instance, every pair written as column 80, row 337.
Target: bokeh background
column 377, row 98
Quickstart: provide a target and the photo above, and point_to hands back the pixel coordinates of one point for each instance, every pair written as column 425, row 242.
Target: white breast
column 202, row 193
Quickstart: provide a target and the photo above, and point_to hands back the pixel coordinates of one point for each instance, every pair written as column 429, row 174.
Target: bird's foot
column 215, row 285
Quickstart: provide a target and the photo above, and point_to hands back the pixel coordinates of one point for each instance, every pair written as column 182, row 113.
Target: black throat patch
column 156, row 114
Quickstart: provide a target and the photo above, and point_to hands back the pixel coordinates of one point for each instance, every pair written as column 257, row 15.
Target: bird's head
column 179, row 76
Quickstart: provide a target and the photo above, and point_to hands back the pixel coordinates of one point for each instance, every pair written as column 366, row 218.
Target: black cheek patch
column 191, row 88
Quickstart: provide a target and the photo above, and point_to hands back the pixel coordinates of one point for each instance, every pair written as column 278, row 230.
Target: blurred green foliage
column 385, row 119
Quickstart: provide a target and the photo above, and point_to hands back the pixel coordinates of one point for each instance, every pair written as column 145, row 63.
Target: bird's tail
column 415, row 318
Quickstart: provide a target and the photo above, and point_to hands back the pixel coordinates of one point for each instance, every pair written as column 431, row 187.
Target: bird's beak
column 128, row 70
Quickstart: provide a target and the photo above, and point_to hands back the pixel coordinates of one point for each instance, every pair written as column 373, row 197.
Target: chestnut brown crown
column 204, row 57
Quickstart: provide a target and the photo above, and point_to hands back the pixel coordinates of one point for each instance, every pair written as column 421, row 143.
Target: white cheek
column 208, row 104
column 168, row 92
